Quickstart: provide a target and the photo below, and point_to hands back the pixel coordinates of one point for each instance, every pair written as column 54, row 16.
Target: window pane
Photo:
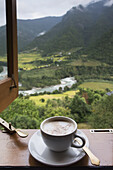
column 3, row 50
column 65, row 63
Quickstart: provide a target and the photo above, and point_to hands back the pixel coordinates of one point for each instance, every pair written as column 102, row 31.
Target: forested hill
column 103, row 48
column 28, row 30
column 80, row 26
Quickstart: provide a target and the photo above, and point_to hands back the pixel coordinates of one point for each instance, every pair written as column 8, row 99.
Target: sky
column 2, row 12
column 31, row 9
column 42, row 8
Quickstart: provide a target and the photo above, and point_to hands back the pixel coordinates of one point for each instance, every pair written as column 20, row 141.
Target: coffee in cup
column 58, row 127
column 58, row 133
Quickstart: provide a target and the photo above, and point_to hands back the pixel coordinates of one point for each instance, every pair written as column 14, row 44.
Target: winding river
column 69, row 81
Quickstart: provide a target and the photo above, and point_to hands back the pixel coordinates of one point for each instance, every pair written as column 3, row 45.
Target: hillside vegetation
column 28, row 30
column 80, row 27
column 102, row 50
column 24, row 113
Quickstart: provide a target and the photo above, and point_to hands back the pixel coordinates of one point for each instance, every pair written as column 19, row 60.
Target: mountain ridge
column 80, row 26
column 28, row 30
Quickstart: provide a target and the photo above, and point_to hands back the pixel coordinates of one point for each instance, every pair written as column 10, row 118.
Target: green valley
column 38, row 71
column 78, row 45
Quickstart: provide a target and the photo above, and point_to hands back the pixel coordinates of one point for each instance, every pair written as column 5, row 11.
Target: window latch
column 14, row 83
column 8, row 128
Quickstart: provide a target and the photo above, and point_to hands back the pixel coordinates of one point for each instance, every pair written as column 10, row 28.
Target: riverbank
column 69, row 81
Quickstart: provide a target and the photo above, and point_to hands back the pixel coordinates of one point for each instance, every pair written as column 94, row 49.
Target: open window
column 9, row 86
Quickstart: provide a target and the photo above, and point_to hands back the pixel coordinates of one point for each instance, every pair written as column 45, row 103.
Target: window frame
column 9, row 86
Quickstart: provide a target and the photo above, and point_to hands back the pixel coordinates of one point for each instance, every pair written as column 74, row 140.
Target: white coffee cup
column 58, row 133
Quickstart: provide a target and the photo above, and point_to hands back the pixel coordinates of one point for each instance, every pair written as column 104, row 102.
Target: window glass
column 3, row 49
column 65, row 60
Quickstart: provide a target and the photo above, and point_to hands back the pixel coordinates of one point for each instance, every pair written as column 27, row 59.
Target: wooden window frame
column 9, row 86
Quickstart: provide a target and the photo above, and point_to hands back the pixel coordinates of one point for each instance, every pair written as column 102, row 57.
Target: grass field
column 37, row 99
column 80, row 62
column 3, row 59
column 26, row 60
column 97, row 85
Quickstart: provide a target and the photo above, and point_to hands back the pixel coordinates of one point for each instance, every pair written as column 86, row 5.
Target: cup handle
column 79, row 146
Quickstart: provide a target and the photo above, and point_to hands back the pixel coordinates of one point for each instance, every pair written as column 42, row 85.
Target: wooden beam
column 7, row 94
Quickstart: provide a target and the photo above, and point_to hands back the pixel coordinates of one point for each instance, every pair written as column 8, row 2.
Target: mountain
column 102, row 49
column 28, row 30
column 80, row 27
column 2, row 40
column 103, row 23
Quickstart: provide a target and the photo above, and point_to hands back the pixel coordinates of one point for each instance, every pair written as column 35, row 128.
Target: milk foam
column 58, row 127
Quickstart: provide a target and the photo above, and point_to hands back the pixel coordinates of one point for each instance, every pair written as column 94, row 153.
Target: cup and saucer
column 39, row 149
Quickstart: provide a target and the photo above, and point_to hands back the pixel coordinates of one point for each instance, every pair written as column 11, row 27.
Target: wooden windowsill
column 14, row 150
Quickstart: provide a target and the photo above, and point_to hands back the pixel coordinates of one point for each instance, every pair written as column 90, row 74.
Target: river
column 3, row 74
column 69, row 81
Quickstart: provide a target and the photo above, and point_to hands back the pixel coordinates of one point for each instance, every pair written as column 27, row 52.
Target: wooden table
column 14, row 150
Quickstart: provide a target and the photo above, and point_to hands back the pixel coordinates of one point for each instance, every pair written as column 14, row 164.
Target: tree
column 80, row 108
column 23, row 113
column 58, row 111
column 81, row 90
column 102, row 113
column 55, row 92
column 25, row 122
column 107, row 90
column 42, row 100
column 60, row 89
column 66, row 88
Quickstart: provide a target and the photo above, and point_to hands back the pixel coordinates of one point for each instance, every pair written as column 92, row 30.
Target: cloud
column 109, row 3
column 41, row 8
column 2, row 12
column 30, row 9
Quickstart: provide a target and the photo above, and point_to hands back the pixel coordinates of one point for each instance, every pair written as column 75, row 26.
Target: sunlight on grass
column 3, row 59
column 37, row 99
column 71, row 93
column 26, row 61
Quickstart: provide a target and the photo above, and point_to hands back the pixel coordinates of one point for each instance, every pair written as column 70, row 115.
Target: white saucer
column 41, row 153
